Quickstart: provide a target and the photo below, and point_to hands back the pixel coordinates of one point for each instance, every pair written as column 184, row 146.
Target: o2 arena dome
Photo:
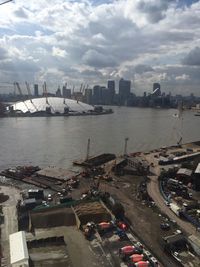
column 54, row 106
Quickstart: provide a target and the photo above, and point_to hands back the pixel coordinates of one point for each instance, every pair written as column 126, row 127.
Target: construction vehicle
column 105, row 227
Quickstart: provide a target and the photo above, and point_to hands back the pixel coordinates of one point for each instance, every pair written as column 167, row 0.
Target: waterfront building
column 97, row 94
column 58, row 92
column 124, row 91
column 111, row 89
column 36, row 91
column 105, row 96
column 66, row 92
column 88, row 96
column 156, row 89
column 54, row 105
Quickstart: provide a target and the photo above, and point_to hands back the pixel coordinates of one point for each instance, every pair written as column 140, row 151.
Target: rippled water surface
column 60, row 140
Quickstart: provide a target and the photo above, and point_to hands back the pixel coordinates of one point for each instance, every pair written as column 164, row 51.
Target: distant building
column 124, row 90
column 97, row 95
column 36, row 91
column 88, row 96
column 156, row 89
column 58, row 92
column 66, row 92
column 111, row 89
column 105, row 96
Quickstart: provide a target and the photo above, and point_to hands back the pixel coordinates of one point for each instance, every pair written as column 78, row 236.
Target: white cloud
column 183, row 77
column 57, row 52
column 90, row 41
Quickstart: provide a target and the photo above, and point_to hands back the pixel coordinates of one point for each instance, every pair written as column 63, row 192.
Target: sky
column 92, row 41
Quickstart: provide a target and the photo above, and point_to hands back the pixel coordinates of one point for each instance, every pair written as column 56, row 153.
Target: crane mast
column 20, row 93
column 45, row 92
column 29, row 91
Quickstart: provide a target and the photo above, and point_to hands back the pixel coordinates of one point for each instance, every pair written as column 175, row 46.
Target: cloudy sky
column 91, row 41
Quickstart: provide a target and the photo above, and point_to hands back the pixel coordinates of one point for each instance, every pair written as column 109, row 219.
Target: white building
column 18, row 250
column 54, row 104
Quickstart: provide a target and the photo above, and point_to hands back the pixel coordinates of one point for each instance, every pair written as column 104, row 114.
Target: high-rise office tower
column 66, row 92
column 156, row 89
column 36, row 91
column 124, row 90
column 111, row 89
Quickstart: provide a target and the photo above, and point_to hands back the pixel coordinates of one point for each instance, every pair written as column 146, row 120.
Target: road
column 154, row 192
column 10, row 219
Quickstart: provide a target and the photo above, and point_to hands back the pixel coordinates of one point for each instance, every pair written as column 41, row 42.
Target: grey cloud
column 193, row 58
column 21, row 13
column 91, row 73
column 154, row 10
column 95, row 59
column 143, row 68
column 3, row 54
column 19, row 66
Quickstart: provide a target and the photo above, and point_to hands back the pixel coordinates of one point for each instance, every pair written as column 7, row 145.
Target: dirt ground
column 78, row 251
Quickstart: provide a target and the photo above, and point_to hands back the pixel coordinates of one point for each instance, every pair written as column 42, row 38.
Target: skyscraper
column 156, row 89
column 66, row 92
column 124, row 90
column 97, row 94
column 36, row 92
column 58, row 92
column 88, row 96
column 111, row 89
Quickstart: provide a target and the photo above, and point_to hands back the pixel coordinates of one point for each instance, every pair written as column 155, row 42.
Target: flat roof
column 18, row 247
column 198, row 169
column 184, row 171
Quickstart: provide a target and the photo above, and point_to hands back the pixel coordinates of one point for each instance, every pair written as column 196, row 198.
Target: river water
column 60, row 140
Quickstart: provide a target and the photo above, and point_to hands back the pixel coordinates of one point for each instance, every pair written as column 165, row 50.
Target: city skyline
column 94, row 41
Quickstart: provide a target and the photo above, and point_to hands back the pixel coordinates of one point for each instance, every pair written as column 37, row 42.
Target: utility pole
column 88, row 149
column 125, row 146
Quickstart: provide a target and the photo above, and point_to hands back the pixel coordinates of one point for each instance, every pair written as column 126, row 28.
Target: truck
column 175, row 208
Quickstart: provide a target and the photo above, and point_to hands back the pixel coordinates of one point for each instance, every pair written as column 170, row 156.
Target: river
column 58, row 141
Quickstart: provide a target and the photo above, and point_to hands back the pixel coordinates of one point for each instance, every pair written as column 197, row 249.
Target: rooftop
column 18, row 247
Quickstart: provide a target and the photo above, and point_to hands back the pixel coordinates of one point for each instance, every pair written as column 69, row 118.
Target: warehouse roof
column 18, row 247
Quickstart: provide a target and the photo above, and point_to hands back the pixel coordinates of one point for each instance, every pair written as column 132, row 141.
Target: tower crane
column 29, row 91
column 29, row 94
column 46, row 95
column 45, row 92
column 16, row 85
column 81, row 88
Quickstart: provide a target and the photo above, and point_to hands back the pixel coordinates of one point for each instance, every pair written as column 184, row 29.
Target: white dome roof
column 57, row 104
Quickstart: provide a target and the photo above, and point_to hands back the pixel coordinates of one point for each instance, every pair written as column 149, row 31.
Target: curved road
column 154, row 192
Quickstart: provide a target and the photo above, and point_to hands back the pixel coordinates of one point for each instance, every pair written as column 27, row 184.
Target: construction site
column 115, row 211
